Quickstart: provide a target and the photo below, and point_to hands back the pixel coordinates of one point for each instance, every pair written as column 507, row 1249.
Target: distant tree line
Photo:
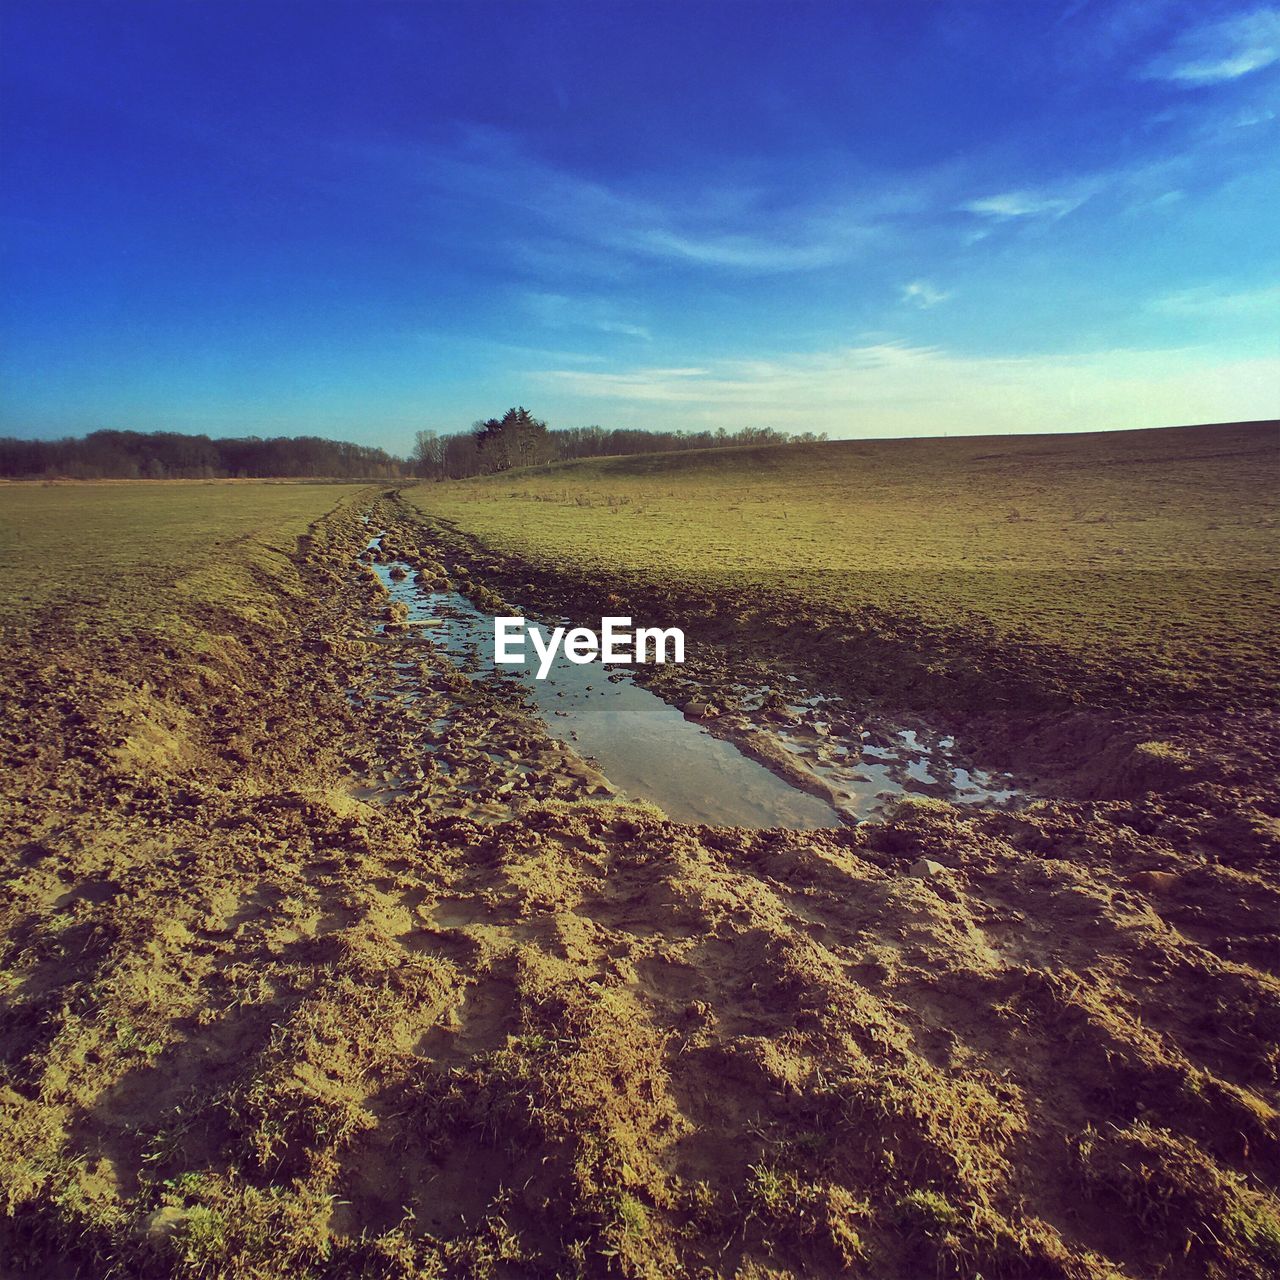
column 517, row 439
column 166, row 455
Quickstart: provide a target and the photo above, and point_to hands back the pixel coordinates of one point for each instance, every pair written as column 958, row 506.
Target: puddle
column 644, row 746
column 648, row 750
column 872, row 764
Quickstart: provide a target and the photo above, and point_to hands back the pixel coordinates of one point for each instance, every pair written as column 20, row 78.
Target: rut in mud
column 826, row 768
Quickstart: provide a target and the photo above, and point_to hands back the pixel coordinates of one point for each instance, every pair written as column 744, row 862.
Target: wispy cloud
column 752, row 253
column 717, row 225
column 561, row 311
column 480, row 347
column 922, row 294
column 1009, row 205
column 1217, row 51
column 1157, row 179
column 1093, row 32
column 1215, row 300
column 897, row 389
column 755, row 240
column 576, row 231
column 558, row 222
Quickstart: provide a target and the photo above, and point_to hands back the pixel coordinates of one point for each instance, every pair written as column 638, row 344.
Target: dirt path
column 297, row 984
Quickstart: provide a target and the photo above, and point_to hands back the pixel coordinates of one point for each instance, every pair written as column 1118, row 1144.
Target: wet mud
column 718, row 752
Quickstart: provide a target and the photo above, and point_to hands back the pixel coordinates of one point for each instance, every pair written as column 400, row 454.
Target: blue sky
column 863, row 218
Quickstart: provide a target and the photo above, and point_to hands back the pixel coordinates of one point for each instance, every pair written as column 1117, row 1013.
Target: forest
column 515, row 439
column 169, row 455
column 519, row 439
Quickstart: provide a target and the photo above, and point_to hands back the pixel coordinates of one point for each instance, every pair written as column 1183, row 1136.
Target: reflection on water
column 648, row 750
column 645, row 747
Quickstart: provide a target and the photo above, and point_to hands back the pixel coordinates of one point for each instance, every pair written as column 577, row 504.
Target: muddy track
column 857, row 764
column 1063, row 726
column 323, row 959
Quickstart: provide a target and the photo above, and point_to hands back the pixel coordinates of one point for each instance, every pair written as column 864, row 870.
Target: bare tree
column 428, row 455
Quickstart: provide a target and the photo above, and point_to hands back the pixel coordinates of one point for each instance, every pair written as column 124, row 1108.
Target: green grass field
column 1150, row 552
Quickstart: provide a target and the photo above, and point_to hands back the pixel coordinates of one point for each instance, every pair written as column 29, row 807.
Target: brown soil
column 298, row 983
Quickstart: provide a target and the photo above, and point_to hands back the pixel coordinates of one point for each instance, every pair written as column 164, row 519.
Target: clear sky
column 867, row 218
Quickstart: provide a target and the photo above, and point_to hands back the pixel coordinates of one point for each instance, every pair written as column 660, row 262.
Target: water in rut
column 647, row 748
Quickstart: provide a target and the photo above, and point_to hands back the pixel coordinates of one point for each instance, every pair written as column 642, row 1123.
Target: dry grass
column 1144, row 558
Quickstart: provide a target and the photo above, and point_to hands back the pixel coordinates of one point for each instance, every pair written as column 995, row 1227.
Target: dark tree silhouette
column 517, row 439
column 160, row 455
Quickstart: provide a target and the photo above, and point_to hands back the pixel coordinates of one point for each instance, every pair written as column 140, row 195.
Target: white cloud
column 571, row 226
column 1213, row 300
column 1220, row 51
column 752, row 253
column 898, row 390
column 1027, row 204
column 627, row 330
column 560, row 311
column 718, row 225
column 922, row 294
column 1249, row 117
column 1107, row 31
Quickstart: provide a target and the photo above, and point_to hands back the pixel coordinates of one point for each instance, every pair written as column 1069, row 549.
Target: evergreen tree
column 517, row 439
